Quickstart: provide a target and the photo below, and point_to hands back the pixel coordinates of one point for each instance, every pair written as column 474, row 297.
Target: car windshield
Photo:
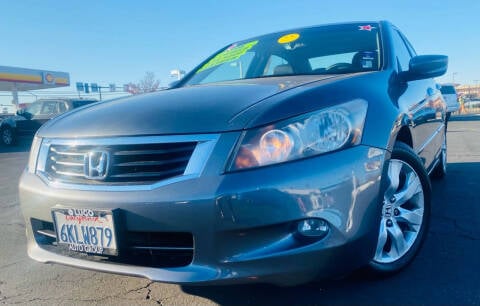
column 334, row 49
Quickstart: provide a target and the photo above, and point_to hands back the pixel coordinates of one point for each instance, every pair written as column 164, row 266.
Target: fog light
column 313, row 228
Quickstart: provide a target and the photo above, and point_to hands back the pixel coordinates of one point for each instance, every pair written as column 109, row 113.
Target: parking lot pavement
column 446, row 272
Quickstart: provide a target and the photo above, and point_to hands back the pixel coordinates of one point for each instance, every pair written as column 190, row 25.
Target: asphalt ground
column 446, row 272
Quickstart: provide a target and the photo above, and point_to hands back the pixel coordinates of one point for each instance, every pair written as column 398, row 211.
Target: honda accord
column 283, row 158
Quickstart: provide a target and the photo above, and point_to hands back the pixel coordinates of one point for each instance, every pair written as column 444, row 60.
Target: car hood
column 208, row 108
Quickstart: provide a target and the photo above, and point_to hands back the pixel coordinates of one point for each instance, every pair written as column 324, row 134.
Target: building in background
column 15, row 79
column 468, row 92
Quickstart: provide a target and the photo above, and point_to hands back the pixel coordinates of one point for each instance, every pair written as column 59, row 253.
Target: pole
column 477, row 91
column 30, row 93
column 100, row 92
column 15, row 96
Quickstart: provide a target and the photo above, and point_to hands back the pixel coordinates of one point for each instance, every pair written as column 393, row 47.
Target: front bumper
column 243, row 224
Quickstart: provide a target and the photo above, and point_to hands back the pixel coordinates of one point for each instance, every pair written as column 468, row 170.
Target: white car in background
column 451, row 98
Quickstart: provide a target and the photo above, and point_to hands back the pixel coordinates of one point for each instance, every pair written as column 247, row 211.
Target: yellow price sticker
column 285, row 39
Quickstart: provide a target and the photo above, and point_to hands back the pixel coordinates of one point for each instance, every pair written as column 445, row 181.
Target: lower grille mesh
column 147, row 249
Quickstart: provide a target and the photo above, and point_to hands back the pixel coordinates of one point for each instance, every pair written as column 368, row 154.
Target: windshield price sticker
column 230, row 54
column 285, row 39
column 85, row 230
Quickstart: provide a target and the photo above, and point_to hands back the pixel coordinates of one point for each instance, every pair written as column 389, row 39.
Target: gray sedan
column 283, row 158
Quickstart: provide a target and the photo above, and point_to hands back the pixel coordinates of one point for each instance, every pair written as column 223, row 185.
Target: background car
column 451, row 98
column 28, row 120
column 472, row 105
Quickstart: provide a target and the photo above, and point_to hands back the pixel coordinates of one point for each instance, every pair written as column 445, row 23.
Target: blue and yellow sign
column 31, row 79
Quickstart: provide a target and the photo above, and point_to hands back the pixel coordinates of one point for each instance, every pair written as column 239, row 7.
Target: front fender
column 382, row 124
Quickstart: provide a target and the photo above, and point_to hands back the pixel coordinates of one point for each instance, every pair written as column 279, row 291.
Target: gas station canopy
column 22, row 79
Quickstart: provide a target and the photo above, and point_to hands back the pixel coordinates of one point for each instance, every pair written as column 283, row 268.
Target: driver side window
column 34, row 108
column 49, row 108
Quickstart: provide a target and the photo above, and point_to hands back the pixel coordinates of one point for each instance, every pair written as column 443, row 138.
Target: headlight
column 310, row 134
column 32, row 161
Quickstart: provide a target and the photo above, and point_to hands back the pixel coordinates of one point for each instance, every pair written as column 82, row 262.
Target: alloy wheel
column 7, row 136
column 402, row 213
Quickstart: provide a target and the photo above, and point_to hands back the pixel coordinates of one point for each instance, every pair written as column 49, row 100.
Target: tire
column 440, row 170
column 447, row 119
column 8, row 136
column 405, row 212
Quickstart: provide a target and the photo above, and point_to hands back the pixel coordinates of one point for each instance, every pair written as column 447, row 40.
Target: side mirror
column 22, row 112
column 426, row 66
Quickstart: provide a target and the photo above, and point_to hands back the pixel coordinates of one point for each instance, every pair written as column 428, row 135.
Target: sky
column 118, row 41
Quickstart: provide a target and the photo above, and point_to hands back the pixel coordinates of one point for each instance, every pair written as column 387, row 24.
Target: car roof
column 336, row 24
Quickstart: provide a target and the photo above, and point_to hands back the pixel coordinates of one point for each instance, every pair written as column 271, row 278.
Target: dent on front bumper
column 243, row 224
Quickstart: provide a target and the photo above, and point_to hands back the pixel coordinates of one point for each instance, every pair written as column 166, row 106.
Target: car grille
column 127, row 164
column 146, row 249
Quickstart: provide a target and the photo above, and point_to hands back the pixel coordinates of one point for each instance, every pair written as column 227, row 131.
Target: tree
column 147, row 84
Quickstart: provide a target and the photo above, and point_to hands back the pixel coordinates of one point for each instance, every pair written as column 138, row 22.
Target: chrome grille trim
column 70, row 173
column 142, row 152
column 193, row 169
column 149, row 163
column 66, row 153
column 143, row 174
column 48, row 233
column 67, row 163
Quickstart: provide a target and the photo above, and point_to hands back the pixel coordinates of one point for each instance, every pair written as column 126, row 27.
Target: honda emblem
column 96, row 165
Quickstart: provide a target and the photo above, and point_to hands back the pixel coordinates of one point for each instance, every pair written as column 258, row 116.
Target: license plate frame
column 86, row 230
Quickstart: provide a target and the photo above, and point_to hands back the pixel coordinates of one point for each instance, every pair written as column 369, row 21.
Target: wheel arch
column 404, row 135
column 8, row 122
column 401, row 132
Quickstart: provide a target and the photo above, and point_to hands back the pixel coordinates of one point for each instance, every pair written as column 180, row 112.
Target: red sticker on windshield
column 232, row 46
column 366, row 28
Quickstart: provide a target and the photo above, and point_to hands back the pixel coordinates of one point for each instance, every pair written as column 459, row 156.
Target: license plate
column 86, row 230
